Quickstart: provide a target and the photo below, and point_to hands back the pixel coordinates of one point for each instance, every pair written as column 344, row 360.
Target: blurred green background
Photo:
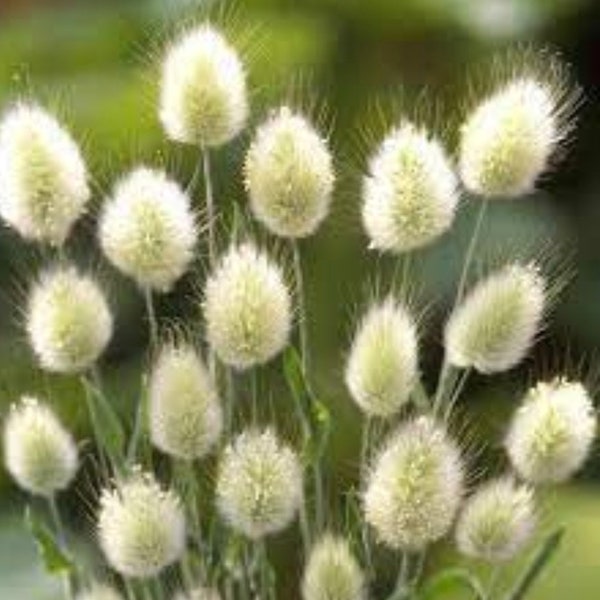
column 93, row 61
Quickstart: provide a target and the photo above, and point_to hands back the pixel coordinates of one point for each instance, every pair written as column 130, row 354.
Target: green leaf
column 446, row 582
column 54, row 559
column 292, row 367
column 538, row 563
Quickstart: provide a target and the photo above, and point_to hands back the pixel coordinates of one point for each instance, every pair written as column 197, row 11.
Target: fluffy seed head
column 39, row 452
column 44, row 180
column 141, row 526
column 410, row 193
column 68, row 320
column 415, row 486
column 185, row 412
column 99, row 591
column 495, row 325
column 332, row 572
column 289, row 175
column 147, row 229
column 259, row 484
column 508, row 139
column 247, row 308
column 383, row 363
column 551, row 434
column 203, row 91
column 497, row 521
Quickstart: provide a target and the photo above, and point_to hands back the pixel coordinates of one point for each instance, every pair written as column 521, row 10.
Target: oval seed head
column 289, row 175
column 200, row 593
column 141, row 526
column 496, row 324
column 39, row 452
column 203, row 91
column 68, row 320
column 415, row 486
column 147, row 229
column 247, row 308
column 44, row 179
column 508, row 140
column 410, row 193
column 496, row 521
column 382, row 367
column 98, row 591
column 332, row 572
column 551, row 434
column 259, row 484
column 185, row 412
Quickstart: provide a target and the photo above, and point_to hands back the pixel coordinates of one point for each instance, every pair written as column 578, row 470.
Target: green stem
column 152, row 320
column 62, row 541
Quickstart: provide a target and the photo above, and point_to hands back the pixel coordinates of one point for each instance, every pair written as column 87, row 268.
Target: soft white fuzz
column 203, row 97
column 382, row 366
column 508, row 140
column 410, row 193
column 496, row 521
column 68, row 321
column 247, row 308
column 44, row 184
column 289, row 175
column 332, row 572
column 185, row 411
column 39, row 452
column 141, row 526
column 99, row 591
column 551, row 434
column 148, row 230
column 496, row 324
column 415, row 486
column 259, row 484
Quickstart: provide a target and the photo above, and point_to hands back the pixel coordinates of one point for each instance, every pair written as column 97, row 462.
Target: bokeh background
column 93, row 62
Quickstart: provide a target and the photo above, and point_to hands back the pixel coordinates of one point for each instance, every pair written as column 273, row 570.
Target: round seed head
column 44, row 179
column 69, row 323
column 332, row 572
column 551, row 434
column 496, row 521
column 259, row 484
column 410, row 193
column 39, row 452
column 382, row 367
column 185, row 412
column 147, row 229
column 289, row 175
column 141, row 527
column 415, row 486
column 496, row 324
column 247, row 308
column 203, row 97
column 98, row 591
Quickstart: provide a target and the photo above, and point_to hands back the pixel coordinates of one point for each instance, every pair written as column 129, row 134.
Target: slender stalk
column 210, row 207
column 301, row 306
column 151, row 316
column 62, row 541
column 493, row 582
column 401, row 589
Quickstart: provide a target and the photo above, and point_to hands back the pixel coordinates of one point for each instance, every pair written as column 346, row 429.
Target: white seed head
column 496, row 324
column 203, row 91
column 551, row 434
column 508, row 139
column 332, row 572
column 148, row 230
column 415, row 486
column 496, row 521
column 382, row 367
column 141, row 526
column 259, row 484
column 247, row 308
column 289, row 175
column 44, row 186
column 98, row 591
column 185, row 413
column 39, row 452
column 69, row 323
column 200, row 593
column 410, row 193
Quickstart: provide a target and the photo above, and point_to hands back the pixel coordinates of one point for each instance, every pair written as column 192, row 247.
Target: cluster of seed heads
column 414, row 489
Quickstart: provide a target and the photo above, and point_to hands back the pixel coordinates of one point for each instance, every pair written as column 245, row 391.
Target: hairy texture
column 39, row 452
column 410, row 193
column 44, row 179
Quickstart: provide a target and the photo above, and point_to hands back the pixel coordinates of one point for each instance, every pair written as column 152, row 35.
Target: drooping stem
column 62, row 542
